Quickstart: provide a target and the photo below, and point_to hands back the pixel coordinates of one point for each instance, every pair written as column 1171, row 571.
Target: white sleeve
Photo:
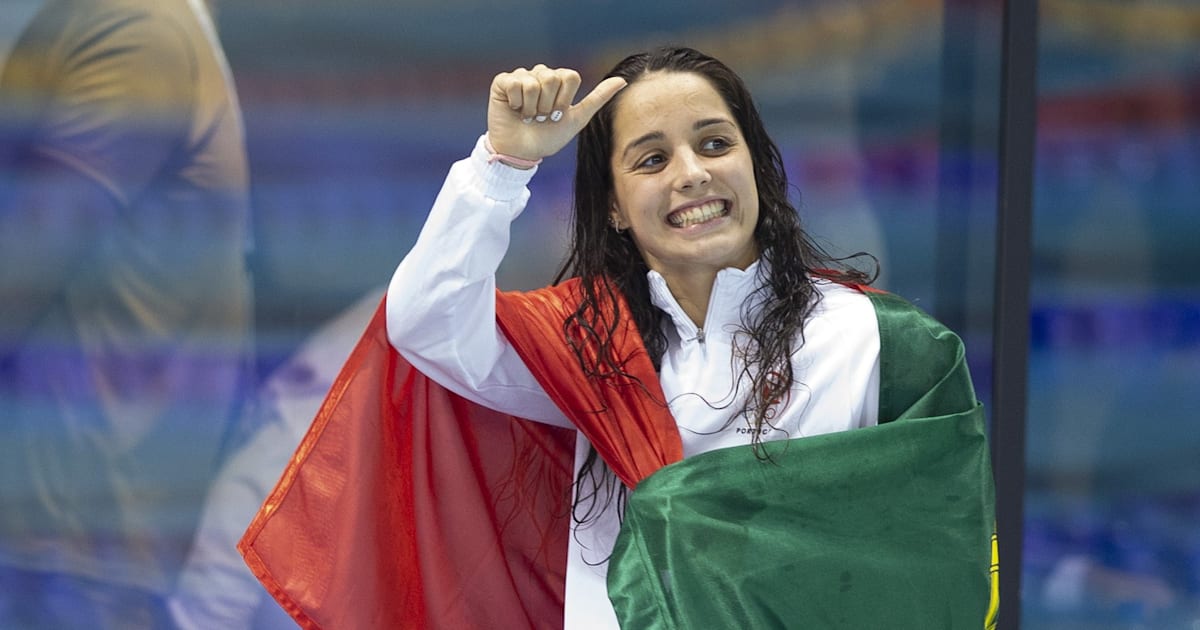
column 441, row 303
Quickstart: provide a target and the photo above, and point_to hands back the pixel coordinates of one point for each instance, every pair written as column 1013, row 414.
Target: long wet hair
column 608, row 261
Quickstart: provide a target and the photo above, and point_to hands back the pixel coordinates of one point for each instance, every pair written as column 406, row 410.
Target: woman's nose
column 692, row 171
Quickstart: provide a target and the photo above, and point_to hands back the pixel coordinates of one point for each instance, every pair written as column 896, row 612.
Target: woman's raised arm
column 441, row 311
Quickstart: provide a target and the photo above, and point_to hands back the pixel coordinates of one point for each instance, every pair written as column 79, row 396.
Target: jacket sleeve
column 441, row 303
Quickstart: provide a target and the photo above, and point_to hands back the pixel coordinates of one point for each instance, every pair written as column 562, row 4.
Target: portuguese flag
column 406, row 506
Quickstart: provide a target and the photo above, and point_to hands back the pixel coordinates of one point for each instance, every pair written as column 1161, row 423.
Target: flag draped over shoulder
column 624, row 416
column 406, row 506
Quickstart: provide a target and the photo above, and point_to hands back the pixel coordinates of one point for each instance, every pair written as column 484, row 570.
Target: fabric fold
column 406, row 506
column 843, row 530
column 624, row 416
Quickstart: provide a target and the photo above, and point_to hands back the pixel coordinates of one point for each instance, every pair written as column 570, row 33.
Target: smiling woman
column 817, row 442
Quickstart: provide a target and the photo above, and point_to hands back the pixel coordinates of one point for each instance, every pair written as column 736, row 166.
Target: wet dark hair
column 598, row 253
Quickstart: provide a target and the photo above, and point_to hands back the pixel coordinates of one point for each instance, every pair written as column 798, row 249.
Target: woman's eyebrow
column 708, row 122
column 653, row 135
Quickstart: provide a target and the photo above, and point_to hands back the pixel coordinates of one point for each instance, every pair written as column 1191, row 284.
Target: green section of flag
column 888, row 526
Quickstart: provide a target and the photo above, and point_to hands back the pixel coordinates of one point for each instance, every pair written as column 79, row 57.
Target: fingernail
column 556, row 115
column 541, row 118
column 526, row 120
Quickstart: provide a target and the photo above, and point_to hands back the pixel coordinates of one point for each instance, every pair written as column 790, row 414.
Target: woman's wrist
column 498, row 180
column 510, row 160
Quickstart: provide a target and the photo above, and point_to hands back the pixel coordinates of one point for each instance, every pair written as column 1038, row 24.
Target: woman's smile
column 699, row 213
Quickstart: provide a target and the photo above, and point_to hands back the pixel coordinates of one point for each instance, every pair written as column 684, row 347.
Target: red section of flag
column 406, row 506
column 624, row 416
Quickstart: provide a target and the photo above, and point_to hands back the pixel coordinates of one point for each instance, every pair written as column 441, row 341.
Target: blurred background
column 887, row 113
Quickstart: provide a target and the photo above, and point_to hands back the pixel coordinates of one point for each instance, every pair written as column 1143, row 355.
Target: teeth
column 698, row 214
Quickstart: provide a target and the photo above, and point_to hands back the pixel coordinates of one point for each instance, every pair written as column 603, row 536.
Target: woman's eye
column 650, row 162
column 715, row 144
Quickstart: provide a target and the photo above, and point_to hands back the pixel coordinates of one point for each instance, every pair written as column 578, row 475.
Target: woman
column 699, row 333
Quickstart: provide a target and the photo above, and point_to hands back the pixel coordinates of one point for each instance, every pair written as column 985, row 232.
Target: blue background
column 886, row 112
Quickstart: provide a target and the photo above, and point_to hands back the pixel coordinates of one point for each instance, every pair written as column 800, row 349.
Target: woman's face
column 683, row 178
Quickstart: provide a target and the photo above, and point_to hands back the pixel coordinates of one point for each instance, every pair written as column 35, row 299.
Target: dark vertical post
column 956, row 149
column 1018, row 123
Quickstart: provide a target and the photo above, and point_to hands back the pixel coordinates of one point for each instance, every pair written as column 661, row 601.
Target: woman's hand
column 530, row 115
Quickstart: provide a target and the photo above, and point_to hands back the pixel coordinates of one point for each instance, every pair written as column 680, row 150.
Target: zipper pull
column 699, row 335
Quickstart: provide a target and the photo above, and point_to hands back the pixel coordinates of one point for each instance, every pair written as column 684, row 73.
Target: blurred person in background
column 125, row 332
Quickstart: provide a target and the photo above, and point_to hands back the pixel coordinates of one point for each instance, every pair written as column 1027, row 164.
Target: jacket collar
column 731, row 290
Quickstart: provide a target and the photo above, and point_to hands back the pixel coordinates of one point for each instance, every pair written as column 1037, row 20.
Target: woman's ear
column 615, row 219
